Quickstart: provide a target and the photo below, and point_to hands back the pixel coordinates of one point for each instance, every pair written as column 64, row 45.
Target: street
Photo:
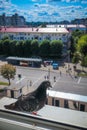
column 64, row 82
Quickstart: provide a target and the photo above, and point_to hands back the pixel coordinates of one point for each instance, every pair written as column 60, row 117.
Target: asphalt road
column 64, row 82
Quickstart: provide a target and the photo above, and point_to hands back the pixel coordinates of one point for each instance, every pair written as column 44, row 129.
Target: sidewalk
column 67, row 68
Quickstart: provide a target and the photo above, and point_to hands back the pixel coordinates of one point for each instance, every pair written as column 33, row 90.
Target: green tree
column 13, row 50
column 44, row 49
column 56, row 48
column 6, row 46
column 8, row 72
column 82, row 45
column 72, row 46
column 1, row 50
column 35, row 47
column 27, row 48
column 77, row 33
column 76, row 58
column 20, row 48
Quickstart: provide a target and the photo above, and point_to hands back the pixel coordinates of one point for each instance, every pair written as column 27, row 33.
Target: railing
column 25, row 121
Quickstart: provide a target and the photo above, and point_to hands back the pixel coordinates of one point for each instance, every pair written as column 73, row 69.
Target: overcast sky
column 45, row 10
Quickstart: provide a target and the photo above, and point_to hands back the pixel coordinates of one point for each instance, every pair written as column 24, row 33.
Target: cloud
column 46, row 11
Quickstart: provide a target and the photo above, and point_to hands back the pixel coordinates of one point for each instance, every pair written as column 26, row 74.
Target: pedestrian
column 60, row 73
column 54, row 79
column 30, row 83
column 45, row 77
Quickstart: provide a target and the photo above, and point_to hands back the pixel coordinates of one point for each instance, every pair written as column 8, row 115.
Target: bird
column 32, row 101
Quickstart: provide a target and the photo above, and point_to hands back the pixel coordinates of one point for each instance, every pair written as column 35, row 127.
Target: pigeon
column 32, row 101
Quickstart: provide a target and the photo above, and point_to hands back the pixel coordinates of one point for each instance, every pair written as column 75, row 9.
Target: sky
column 45, row 10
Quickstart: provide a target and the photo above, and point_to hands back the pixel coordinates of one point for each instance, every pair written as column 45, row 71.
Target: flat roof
column 66, row 25
column 24, row 59
column 66, row 116
column 68, row 96
column 6, row 101
column 33, row 30
column 56, row 114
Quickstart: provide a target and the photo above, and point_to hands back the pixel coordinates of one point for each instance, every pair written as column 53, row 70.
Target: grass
column 82, row 74
column 4, row 83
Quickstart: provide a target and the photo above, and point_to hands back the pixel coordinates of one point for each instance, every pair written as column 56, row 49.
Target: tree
column 35, row 47
column 44, row 49
column 13, row 48
column 8, row 71
column 72, row 46
column 82, row 49
column 6, row 46
column 76, row 58
column 27, row 48
column 82, row 45
column 56, row 48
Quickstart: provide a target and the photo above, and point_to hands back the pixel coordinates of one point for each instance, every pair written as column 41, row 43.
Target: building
column 70, row 27
column 31, row 62
column 14, row 20
column 47, row 118
column 67, row 100
column 35, row 33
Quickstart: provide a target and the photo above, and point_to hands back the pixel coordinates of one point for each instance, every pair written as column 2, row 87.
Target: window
column 57, row 103
column 52, row 101
column 82, row 107
column 21, row 90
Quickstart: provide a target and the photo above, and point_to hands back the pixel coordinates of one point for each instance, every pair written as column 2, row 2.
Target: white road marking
column 20, row 80
column 79, row 80
column 39, row 79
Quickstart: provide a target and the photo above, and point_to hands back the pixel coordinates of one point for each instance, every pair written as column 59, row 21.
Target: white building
column 35, row 33
column 69, row 27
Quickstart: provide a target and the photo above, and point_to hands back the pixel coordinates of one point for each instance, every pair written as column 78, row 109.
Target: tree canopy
column 8, row 71
column 28, row 48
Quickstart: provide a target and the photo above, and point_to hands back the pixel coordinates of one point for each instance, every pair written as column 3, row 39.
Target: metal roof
column 33, row 30
column 66, row 116
column 68, row 96
column 24, row 59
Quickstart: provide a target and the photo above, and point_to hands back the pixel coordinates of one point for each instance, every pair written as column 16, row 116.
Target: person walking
column 60, row 73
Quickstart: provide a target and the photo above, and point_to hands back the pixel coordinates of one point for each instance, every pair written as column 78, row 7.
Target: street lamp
column 27, row 84
column 68, row 58
column 49, row 73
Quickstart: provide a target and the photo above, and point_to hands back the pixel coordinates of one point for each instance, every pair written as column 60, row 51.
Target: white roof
column 67, row 25
column 6, row 101
column 68, row 96
column 34, row 30
column 66, row 116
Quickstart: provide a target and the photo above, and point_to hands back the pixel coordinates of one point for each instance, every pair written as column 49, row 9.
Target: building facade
column 70, row 27
column 35, row 33
column 14, row 20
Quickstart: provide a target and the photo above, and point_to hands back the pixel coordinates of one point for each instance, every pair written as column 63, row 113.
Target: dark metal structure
column 31, row 62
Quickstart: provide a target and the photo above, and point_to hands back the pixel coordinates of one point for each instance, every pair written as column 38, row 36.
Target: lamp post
column 49, row 73
column 68, row 58
column 27, row 84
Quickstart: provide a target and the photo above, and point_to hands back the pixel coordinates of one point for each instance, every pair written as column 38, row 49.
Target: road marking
column 38, row 79
column 20, row 80
column 79, row 80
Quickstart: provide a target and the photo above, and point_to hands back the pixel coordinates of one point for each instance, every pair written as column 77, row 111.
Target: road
column 64, row 82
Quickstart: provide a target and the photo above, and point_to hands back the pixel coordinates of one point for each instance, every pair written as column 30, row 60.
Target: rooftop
column 47, row 116
column 33, row 30
column 68, row 96
column 67, row 25
column 24, row 59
